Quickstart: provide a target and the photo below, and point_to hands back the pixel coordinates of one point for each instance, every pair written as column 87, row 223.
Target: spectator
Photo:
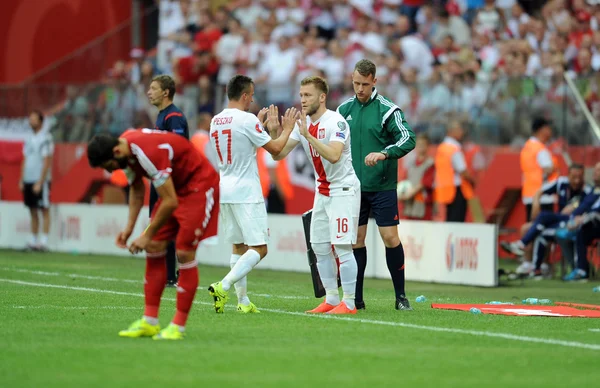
column 453, row 26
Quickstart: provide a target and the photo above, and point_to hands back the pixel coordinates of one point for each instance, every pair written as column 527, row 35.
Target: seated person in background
column 568, row 192
column 585, row 220
column 418, row 201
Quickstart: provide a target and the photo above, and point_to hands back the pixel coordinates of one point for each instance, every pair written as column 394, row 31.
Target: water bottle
column 475, row 310
column 421, row 298
column 537, row 301
column 497, row 302
column 596, row 289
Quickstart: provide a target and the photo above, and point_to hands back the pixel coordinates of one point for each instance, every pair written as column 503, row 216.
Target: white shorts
column 335, row 219
column 245, row 223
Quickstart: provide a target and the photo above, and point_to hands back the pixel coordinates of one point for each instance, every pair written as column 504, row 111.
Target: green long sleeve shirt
column 377, row 125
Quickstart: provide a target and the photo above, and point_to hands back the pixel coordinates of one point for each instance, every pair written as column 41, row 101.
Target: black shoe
column 402, row 303
column 360, row 305
column 171, row 283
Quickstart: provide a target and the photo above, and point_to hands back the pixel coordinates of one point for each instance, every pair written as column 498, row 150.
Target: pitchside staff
column 170, row 118
column 380, row 136
column 36, row 173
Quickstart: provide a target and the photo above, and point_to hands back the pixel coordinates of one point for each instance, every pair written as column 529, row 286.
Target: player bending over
column 186, row 211
column 335, row 211
column 235, row 135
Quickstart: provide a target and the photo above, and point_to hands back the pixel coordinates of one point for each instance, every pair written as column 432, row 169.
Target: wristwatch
column 385, row 153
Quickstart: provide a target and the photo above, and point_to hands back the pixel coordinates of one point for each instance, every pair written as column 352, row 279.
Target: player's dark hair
column 237, row 86
column 365, row 68
column 576, row 166
column 39, row 114
column 319, row 83
column 538, row 124
column 100, row 149
column 166, row 82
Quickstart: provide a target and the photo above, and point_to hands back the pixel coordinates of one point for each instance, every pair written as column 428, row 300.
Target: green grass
column 67, row 336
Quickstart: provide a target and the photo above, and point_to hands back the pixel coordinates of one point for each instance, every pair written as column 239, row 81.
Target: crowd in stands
column 491, row 63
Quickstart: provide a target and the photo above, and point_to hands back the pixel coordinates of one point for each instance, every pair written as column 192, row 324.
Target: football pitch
column 60, row 316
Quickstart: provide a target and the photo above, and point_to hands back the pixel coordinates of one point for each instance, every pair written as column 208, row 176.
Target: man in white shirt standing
column 326, row 141
column 235, row 135
column 36, row 173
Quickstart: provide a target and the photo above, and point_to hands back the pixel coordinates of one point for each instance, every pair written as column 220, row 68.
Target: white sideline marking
column 595, row 330
column 49, row 306
column 507, row 336
column 72, row 275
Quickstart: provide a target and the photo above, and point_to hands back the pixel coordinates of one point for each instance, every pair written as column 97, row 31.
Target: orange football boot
column 342, row 309
column 322, row 308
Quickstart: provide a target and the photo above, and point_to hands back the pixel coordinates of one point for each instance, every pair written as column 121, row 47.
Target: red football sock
column 186, row 290
column 155, row 281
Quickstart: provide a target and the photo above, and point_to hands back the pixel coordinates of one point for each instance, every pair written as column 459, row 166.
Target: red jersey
column 159, row 155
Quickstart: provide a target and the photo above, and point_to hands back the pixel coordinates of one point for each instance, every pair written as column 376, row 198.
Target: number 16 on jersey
column 223, row 135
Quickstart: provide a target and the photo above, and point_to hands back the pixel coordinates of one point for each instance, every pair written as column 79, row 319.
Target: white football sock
column 241, row 289
column 44, row 240
column 151, row 320
column 348, row 273
column 328, row 273
column 180, row 328
column 243, row 266
column 33, row 239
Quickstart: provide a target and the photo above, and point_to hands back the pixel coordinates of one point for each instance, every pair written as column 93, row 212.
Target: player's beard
column 312, row 109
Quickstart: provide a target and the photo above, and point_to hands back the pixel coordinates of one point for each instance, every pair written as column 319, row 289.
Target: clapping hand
column 290, row 118
column 262, row 115
column 302, row 126
column 272, row 122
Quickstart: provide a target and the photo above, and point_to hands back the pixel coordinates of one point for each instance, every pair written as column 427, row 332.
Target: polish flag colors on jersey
column 159, row 155
column 331, row 179
column 235, row 135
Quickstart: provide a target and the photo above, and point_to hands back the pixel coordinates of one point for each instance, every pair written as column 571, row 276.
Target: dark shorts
column 36, row 201
column 549, row 207
column 381, row 205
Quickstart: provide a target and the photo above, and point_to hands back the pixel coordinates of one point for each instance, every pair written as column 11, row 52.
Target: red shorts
column 196, row 218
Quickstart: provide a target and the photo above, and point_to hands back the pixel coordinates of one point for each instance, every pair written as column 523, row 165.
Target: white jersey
column 331, row 179
column 235, row 135
column 37, row 147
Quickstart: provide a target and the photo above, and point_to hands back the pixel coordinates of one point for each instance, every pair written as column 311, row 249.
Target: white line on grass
column 72, row 275
column 48, row 306
column 477, row 333
column 595, row 330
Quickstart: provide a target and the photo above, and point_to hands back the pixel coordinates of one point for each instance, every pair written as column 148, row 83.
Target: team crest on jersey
column 321, row 134
column 342, row 125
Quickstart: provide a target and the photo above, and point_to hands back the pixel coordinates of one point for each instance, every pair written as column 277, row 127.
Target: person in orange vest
column 418, row 201
column 537, row 166
column 275, row 182
column 201, row 140
column 453, row 182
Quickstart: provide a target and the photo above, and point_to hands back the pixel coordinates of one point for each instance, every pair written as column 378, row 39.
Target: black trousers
column 275, row 203
column 456, row 211
column 171, row 257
